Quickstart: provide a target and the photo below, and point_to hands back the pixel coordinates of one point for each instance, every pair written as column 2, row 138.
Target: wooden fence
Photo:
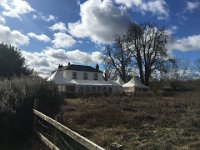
column 57, row 136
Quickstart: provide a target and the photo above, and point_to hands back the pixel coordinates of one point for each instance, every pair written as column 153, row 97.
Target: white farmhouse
column 83, row 80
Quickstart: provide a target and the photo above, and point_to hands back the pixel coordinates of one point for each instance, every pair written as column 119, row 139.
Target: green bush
column 16, row 104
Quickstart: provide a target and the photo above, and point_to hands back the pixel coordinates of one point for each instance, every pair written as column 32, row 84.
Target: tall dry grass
column 137, row 122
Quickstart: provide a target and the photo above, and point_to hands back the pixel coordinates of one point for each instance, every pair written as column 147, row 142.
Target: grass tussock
column 137, row 122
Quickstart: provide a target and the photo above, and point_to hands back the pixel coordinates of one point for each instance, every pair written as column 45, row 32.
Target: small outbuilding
column 134, row 86
column 61, row 82
column 119, row 81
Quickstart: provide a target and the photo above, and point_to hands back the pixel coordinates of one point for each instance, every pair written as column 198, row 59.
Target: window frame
column 85, row 76
column 95, row 76
column 74, row 75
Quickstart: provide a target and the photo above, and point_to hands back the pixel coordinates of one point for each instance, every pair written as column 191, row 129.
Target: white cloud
column 191, row 6
column 47, row 60
column 75, row 56
column 39, row 62
column 97, row 57
column 130, row 3
column 2, row 19
column 100, row 21
column 60, row 26
column 170, row 31
column 55, row 54
column 156, row 7
column 78, row 2
column 35, row 16
column 190, row 43
column 63, row 40
column 15, row 8
column 13, row 37
column 40, row 16
column 49, row 18
column 41, row 37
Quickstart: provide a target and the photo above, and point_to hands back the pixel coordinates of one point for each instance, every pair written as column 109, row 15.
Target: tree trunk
column 147, row 76
column 140, row 67
column 147, row 79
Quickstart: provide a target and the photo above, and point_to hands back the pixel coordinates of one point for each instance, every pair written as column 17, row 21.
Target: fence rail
column 46, row 141
column 73, row 135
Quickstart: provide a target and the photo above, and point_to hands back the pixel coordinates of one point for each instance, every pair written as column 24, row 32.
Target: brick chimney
column 97, row 67
column 60, row 66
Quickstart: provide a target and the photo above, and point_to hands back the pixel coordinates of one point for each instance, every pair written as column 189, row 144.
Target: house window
column 85, row 76
column 74, row 75
column 95, row 76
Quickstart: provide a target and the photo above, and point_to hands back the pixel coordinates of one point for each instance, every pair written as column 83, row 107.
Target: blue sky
column 52, row 32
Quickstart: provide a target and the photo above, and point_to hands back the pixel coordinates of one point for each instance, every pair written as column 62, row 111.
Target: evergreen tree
column 12, row 63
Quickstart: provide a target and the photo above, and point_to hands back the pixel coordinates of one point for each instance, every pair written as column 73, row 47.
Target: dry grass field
column 137, row 122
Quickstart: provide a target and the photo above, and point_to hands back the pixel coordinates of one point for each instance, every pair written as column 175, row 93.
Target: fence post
column 36, row 104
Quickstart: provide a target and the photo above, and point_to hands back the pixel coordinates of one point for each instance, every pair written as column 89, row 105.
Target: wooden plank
column 77, row 137
column 46, row 141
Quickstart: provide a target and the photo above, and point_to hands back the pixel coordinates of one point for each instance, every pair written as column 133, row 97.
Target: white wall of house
column 68, row 75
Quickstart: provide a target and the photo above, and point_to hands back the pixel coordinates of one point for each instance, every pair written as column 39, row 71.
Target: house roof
column 80, row 68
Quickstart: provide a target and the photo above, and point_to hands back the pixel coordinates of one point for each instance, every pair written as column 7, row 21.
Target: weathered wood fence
column 58, row 137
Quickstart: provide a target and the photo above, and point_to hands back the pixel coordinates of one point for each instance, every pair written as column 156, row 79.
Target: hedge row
column 16, row 103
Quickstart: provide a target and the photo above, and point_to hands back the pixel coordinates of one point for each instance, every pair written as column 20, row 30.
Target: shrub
column 16, row 104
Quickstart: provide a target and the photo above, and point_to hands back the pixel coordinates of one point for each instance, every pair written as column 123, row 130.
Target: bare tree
column 147, row 44
column 109, row 73
column 176, row 71
column 118, row 58
column 197, row 65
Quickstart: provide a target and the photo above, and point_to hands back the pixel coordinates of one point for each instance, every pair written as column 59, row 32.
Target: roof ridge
column 80, row 68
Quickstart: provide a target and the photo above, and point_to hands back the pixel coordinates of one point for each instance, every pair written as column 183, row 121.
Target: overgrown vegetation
column 18, row 91
column 137, row 122
column 16, row 103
